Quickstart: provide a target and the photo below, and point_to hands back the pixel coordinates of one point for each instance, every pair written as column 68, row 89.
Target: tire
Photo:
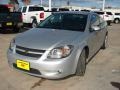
column 81, row 66
column 116, row 21
column 105, row 43
column 17, row 29
column 1, row 30
column 21, row 30
column 108, row 23
column 34, row 23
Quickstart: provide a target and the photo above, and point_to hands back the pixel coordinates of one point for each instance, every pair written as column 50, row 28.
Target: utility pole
column 41, row 2
column 103, row 8
column 50, row 5
column 68, row 3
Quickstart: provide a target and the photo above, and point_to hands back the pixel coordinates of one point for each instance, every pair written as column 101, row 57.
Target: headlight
column 60, row 52
column 12, row 45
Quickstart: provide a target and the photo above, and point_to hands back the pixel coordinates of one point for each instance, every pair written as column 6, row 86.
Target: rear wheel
column 81, row 66
column 2, row 30
column 34, row 23
column 16, row 30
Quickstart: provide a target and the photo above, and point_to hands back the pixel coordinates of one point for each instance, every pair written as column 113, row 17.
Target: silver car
column 59, row 46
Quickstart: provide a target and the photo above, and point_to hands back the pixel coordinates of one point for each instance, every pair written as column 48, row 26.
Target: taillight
column 42, row 15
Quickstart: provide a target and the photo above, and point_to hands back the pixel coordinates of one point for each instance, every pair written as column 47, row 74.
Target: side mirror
column 95, row 28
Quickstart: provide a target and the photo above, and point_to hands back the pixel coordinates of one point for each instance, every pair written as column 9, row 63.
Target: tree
column 15, row 4
column 26, row 2
column 68, row 3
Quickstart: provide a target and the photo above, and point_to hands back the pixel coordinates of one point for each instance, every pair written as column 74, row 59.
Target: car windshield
column 60, row 21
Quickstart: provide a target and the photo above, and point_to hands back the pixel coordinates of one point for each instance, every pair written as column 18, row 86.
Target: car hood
column 39, row 38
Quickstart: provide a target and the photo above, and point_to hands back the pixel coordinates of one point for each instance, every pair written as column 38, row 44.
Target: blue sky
column 86, row 3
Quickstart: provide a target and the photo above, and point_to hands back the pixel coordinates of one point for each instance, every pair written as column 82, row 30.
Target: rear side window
column 117, row 13
column 100, row 13
column 4, row 9
column 24, row 9
column 109, row 13
column 36, row 9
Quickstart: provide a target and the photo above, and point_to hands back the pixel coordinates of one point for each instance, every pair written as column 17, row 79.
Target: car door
column 93, row 35
column 32, row 12
column 102, row 31
column 24, row 14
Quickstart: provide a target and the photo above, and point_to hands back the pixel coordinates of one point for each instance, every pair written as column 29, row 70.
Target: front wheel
column 108, row 23
column 116, row 21
column 81, row 66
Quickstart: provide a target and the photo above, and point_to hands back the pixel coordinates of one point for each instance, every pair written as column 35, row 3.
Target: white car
column 116, row 17
column 33, row 14
column 107, row 16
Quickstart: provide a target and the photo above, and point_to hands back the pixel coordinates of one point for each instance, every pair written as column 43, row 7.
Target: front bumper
column 50, row 69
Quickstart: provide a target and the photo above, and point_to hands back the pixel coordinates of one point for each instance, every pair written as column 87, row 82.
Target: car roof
column 75, row 12
column 32, row 6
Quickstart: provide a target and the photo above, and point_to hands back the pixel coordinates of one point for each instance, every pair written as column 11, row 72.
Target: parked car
column 85, row 10
column 116, row 18
column 107, row 16
column 54, row 9
column 64, row 9
column 10, row 20
column 33, row 14
column 59, row 9
column 60, row 46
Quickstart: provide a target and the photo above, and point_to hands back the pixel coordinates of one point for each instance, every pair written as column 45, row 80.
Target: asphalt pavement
column 103, row 71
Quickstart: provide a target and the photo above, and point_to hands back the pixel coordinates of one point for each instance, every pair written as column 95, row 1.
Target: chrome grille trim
column 29, row 52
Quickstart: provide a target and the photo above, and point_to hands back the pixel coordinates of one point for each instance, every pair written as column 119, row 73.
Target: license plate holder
column 23, row 64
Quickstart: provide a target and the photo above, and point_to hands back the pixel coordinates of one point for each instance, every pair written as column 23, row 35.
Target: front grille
column 32, row 70
column 29, row 52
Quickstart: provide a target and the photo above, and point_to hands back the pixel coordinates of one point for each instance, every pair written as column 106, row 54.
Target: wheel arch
column 33, row 18
column 86, row 50
column 79, row 53
column 117, row 18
